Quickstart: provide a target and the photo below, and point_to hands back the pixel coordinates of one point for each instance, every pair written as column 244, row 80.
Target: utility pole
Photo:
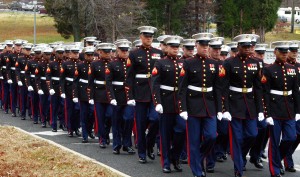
column 293, row 16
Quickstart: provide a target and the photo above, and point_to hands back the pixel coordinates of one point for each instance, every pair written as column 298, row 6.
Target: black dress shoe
column 102, row 145
column 158, row 152
column 84, row 141
column 43, row 125
column 210, row 170
column 142, row 160
column 6, row 112
column 203, row 174
column 184, row 161
column 77, row 132
column 13, row 115
column 35, row 122
column 54, row 130
column 263, row 156
column 62, row 127
column 116, row 151
column 276, row 175
column 224, row 157
column 237, row 174
column 167, row 170
column 150, row 153
column 70, row 134
column 23, row 117
column 177, row 165
column 108, row 141
column 281, row 171
column 290, row 169
column 257, row 164
column 129, row 150
column 220, row 159
column 91, row 135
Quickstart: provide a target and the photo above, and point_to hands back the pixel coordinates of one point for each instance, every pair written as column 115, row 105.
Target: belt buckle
column 285, row 93
column 204, row 89
column 244, row 90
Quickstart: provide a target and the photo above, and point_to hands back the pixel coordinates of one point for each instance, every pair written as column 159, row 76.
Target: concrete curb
column 114, row 171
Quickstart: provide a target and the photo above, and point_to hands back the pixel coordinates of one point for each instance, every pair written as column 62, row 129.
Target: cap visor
column 148, row 34
column 203, row 42
column 245, row 44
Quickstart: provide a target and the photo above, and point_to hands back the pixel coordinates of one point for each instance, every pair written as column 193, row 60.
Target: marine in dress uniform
column 98, row 94
column 67, row 71
column 292, row 59
column 257, row 149
column 233, row 48
column 56, row 102
column 137, row 43
column 81, row 90
column 11, row 74
column 188, row 46
column 123, row 114
column 88, row 41
column 5, row 86
column 164, row 84
column 139, row 67
column 162, row 44
column 224, row 52
column 243, row 99
column 20, row 74
column 282, row 105
column 218, row 153
column 42, row 83
column 200, row 102
column 31, row 83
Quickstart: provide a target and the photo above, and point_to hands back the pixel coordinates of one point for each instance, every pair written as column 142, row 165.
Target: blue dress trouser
column 102, row 112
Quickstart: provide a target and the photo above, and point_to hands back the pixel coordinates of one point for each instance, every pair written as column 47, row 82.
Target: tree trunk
column 75, row 21
column 197, row 16
column 241, row 21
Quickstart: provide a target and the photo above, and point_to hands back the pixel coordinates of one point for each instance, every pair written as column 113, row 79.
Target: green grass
column 18, row 25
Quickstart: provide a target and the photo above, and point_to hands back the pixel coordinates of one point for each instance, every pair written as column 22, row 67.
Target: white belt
column 55, row 78
column 200, row 89
column 83, row 81
column 23, row 72
column 283, row 93
column 69, row 79
column 43, row 78
column 99, row 82
column 4, row 67
column 117, row 83
column 32, row 75
column 142, row 76
column 13, row 68
column 165, row 87
column 242, row 90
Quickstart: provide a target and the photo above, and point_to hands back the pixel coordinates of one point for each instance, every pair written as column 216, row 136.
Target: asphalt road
column 129, row 164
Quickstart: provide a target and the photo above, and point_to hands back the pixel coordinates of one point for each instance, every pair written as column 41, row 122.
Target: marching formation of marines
column 201, row 99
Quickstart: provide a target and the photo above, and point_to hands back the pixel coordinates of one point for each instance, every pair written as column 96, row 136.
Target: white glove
column 91, row 101
column 261, row 116
column 75, row 100
column 131, row 102
column 1, row 77
column 30, row 88
column 184, row 115
column 63, row 95
column 41, row 92
column 20, row 83
column 297, row 117
column 51, row 91
column 113, row 102
column 219, row 116
column 270, row 121
column 227, row 116
column 159, row 108
column 9, row 81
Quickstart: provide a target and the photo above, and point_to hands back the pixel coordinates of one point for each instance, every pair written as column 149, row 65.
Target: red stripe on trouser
column 136, row 128
column 66, row 116
column 4, row 104
column 96, row 120
column 285, row 161
column 270, row 155
column 161, row 152
column 51, row 113
column 187, row 144
column 230, row 141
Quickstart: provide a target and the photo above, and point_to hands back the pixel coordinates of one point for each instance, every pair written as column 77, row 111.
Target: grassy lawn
column 18, row 25
column 24, row 155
